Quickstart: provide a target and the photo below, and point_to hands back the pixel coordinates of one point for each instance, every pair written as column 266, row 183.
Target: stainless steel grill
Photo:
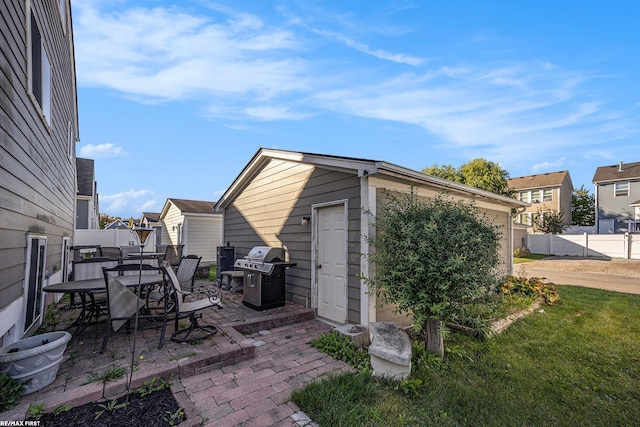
column 264, row 277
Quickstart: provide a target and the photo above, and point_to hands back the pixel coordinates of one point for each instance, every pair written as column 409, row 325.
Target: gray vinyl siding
column 269, row 211
column 617, row 208
column 37, row 177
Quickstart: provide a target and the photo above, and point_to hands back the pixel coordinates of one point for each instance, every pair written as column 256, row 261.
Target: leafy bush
column 520, row 252
column 533, row 286
column 340, row 347
column 11, row 390
column 432, row 256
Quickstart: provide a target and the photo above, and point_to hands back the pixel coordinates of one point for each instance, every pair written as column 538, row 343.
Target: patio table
column 90, row 287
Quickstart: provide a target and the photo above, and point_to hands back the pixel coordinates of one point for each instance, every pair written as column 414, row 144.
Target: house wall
column 37, row 160
column 614, row 208
column 269, row 211
column 170, row 225
column 204, row 234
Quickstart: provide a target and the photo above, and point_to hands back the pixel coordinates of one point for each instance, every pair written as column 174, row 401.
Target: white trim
column 27, row 329
column 314, row 251
column 369, row 205
column 12, row 317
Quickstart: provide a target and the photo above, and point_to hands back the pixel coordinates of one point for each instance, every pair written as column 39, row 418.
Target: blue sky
column 176, row 96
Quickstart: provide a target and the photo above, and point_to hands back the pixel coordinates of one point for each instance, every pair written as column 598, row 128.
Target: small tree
column 549, row 222
column 479, row 173
column 431, row 257
column 583, row 207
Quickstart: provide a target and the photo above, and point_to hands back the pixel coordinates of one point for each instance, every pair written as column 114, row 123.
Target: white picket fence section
column 625, row 245
column 115, row 237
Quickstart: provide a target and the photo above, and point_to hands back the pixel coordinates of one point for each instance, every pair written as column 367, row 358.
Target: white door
column 331, row 265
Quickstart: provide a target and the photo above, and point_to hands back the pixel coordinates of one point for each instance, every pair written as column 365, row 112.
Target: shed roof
column 197, row 207
column 354, row 165
column 621, row 171
column 151, row 216
column 550, row 179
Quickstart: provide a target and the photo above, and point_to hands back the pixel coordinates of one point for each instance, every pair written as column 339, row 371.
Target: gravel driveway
column 613, row 274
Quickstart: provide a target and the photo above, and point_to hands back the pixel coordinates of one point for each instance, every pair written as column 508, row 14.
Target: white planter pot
column 36, row 358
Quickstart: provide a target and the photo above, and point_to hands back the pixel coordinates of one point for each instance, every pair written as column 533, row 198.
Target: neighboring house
column 38, row 132
column 547, row 193
column 316, row 207
column 152, row 220
column 117, row 224
column 617, row 195
column 192, row 223
column 87, row 210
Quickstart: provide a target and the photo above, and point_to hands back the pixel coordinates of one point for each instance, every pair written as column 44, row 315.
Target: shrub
column 11, row 390
column 521, row 252
column 340, row 347
column 533, row 286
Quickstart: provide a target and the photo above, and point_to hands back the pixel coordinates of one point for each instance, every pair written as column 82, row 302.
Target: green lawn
column 529, row 258
column 578, row 363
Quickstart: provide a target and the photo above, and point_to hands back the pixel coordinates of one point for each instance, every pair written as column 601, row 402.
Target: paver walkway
column 257, row 392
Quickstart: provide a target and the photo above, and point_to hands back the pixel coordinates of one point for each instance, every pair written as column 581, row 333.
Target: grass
column 529, row 258
column 578, row 363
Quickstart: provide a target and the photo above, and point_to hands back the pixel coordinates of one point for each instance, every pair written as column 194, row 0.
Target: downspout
column 368, row 202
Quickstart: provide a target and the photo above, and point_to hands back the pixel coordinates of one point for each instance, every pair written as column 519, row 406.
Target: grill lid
column 265, row 254
column 260, row 259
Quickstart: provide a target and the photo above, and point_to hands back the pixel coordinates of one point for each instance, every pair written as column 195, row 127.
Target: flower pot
column 36, row 358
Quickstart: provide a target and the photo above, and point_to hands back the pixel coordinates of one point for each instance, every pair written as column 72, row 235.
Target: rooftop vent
column 620, row 167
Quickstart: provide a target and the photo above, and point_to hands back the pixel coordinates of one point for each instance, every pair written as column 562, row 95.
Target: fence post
column 550, row 243
column 585, row 245
column 627, row 246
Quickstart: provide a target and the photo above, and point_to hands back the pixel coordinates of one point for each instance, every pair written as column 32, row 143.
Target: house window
column 523, row 196
column 35, row 270
column 525, row 219
column 535, row 196
column 547, row 195
column 40, row 71
column 621, row 189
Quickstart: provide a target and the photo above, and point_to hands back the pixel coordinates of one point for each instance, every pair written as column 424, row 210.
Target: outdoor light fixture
column 306, row 220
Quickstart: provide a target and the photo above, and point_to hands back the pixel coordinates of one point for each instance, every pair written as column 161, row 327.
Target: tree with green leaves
column 478, row 173
column 432, row 256
column 549, row 222
column 583, row 207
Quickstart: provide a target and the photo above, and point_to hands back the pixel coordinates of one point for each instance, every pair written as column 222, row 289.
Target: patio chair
column 186, row 272
column 185, row 308
column 173, row 254
column 91, row 268
column 186, row 275
column 123, row 303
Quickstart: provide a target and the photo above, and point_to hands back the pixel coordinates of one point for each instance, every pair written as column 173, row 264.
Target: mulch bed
column 158, row 408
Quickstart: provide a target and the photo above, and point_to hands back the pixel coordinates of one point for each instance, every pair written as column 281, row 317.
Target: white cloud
column 130, row 201
column 549, row 166
column 399, row 58
column 101, row 150
column 275, row 113
column 165, row 54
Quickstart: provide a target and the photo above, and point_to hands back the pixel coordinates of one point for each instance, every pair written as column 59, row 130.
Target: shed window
column 621, row 189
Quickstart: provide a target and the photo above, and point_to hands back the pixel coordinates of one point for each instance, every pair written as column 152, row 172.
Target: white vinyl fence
column 116, row 237
column 625, row 246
